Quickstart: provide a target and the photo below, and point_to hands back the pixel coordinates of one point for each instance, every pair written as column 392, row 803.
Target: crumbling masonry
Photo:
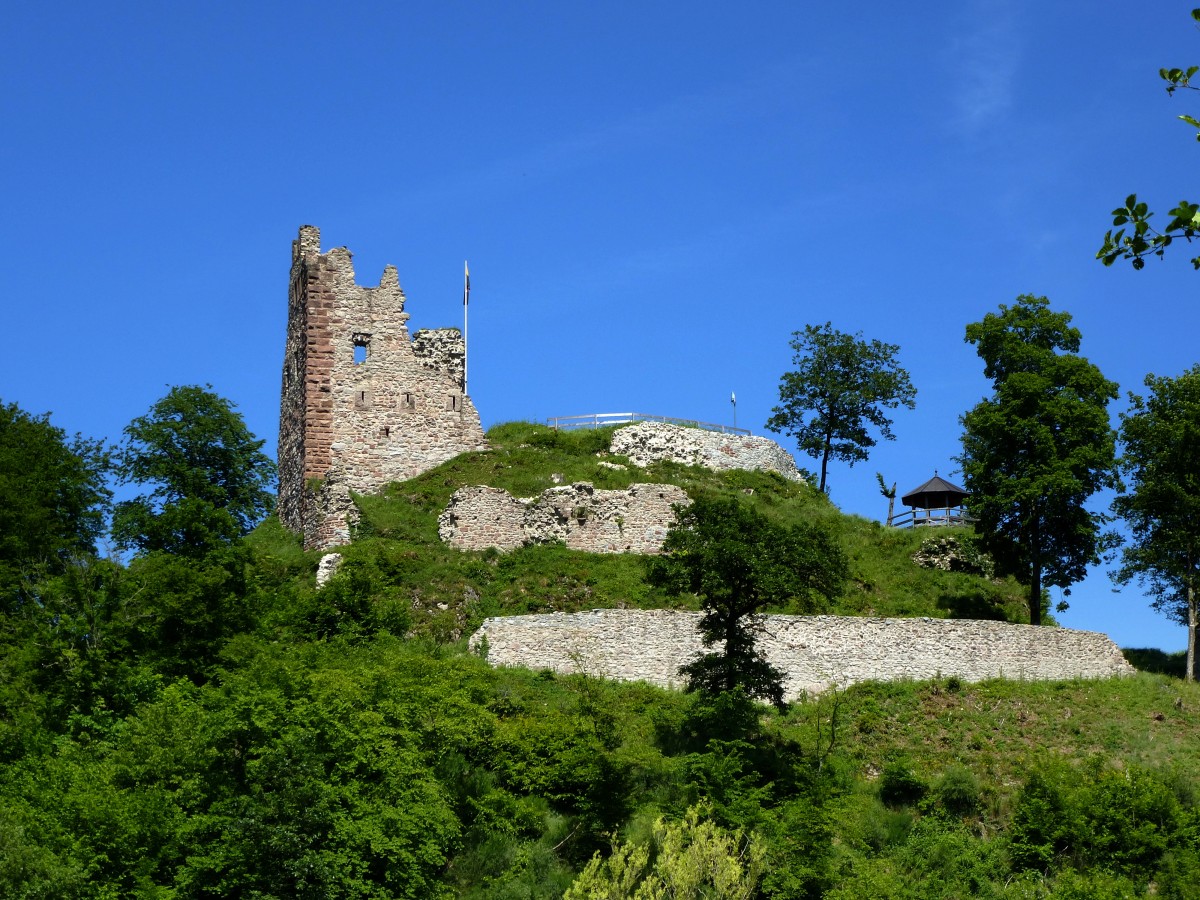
column 362, row 404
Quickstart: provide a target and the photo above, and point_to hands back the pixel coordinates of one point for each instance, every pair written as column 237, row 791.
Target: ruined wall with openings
column 634, row 520
column 362, row 402
column 647, row 442
column 814, row 652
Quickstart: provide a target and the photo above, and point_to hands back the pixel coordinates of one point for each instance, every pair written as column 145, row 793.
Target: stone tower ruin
column 362, row 404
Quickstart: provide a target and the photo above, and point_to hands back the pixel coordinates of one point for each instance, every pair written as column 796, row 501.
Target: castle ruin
column 363, row 403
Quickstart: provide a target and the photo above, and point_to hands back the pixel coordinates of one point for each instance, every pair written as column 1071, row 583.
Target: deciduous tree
column 53, row 495
column 738, row 561
column 1160, row 438
column 207, row 476
column 839, row 390
column 1038, row 448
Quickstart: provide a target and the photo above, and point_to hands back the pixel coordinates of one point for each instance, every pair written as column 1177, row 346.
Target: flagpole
column 466, row 298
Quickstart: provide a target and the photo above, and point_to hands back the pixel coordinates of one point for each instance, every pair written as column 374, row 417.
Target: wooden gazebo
column 936, row 502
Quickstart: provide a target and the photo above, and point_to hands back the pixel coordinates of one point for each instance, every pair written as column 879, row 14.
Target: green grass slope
column 399, row 562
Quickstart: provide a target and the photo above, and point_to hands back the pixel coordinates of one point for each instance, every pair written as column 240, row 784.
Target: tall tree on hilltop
column 840, row 388
column 1160, row 438
column 208, row 477
column 1038, row 448
column 737, row 561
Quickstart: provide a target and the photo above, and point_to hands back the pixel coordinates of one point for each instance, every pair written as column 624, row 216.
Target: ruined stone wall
column 814, row 652
column 361, row 406
column 630, row 521
column 647, row 442
column 479, row 517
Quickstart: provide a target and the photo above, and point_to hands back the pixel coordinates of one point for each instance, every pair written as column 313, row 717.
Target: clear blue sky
column 652, row 197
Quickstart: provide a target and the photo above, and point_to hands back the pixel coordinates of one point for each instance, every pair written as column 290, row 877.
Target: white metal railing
column 598, row 420
column 921, row 518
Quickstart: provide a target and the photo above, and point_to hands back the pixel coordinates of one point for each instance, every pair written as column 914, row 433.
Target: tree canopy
column 1160, row 438
column 838, row 392
column 1135, row 238
column 1038, row 448
column 737, row 561
column 53, row 494
column 207, row 476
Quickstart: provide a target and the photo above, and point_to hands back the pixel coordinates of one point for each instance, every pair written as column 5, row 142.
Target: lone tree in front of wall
column 1160, row 437
column 839, row 391
column 1038, row 448
column 737, row 561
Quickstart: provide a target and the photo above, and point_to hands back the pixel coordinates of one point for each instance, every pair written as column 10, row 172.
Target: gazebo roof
column 936, row 493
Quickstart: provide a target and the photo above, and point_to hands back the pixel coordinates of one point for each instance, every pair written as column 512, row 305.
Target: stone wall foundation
column 815, row 652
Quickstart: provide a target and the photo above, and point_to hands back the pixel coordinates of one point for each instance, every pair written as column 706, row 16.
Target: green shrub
column 899, row 785
column 1042, row 827
column 1127, row 819
column 957, row 792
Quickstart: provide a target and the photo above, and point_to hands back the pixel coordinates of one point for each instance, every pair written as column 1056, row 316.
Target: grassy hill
column 449, row 592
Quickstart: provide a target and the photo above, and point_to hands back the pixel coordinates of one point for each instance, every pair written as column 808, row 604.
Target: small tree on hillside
column 1160, row 435
column 1038, row 448
column 208, row 477
column 840, row 388
column 737, row 561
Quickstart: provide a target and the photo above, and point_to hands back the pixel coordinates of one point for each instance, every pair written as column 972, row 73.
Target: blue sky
column 652, row 197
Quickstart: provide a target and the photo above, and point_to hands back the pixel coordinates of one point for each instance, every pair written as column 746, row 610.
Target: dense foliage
column 53, row 497
column 840, row 389
column 1160, row 502
column 1036, row 451
column 208, row 479
column 213, row 725
column 737, row 561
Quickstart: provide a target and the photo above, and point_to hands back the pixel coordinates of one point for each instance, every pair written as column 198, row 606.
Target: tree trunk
column 825, row 460
column 1035, row 575
column 1191, row 648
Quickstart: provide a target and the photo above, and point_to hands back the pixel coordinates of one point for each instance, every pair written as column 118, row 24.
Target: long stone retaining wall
column 814, row 652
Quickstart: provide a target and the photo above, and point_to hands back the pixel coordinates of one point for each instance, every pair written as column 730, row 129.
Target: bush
column 957, row 792
column 899, row 785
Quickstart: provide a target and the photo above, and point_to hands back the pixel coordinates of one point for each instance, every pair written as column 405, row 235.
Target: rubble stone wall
column 814, row 652
column 647, row 442
column 362, row 403
column 599, row 521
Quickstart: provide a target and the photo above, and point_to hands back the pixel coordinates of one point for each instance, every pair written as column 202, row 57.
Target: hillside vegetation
column 221, row 728
column 451, row 591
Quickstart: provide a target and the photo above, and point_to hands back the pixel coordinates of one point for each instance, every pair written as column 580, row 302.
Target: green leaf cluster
column 1144, row 239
